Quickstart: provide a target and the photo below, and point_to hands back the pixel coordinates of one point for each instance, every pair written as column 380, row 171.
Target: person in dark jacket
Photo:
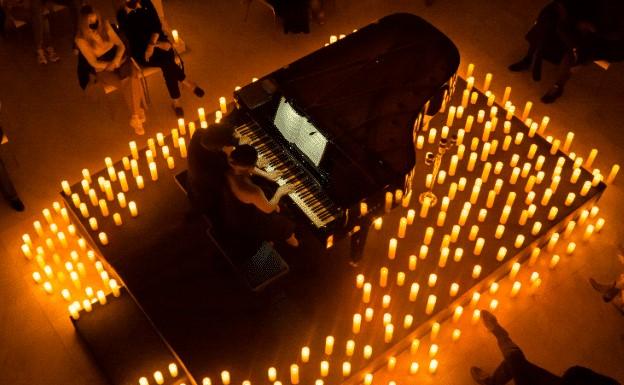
column 150, row 47
column 570, row 33
column 516, row 367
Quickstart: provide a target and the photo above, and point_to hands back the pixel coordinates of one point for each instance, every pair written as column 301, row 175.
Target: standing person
column 150, row 47
column 516, row 367
column 105, row 53
column 8, row 189
column 34, row 12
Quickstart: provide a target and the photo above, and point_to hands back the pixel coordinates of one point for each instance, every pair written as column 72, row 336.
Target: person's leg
column 8, row 189
column 130, row 87
column 564, row 75
column 502, row 375
column 37, row 23
column 165, row 60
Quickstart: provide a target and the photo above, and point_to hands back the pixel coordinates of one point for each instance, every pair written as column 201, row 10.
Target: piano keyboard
column 306, row 194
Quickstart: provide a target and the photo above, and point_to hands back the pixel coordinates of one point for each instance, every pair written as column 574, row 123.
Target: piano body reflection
column 340, row 123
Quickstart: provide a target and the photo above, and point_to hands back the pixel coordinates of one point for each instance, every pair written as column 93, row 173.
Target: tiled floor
column 55, row 131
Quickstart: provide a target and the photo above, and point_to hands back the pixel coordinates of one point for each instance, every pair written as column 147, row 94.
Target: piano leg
column 358, row 240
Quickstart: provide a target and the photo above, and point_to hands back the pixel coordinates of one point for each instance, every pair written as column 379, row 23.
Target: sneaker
column 489, row 320
column 52, row 55
column 137, row 124
column 480, row 376
column 17, row 204
column 41, row 56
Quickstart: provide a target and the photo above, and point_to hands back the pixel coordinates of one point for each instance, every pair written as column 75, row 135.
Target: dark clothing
column 294, row 14
column 515, row 365
column 246, row 219
column 6, row 185
column 138, row 26
column 172, row 72
column 207, row 164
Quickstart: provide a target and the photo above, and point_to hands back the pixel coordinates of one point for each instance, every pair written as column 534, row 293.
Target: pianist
column 245, row 205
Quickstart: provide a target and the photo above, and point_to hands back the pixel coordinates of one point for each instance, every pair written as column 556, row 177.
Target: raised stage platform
column 209, row 321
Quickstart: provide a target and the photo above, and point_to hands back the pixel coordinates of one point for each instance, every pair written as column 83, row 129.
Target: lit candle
column 613, row 173
column 506, row 142
column 431, row 301
column 519, row 241
column 600, row 222
column 103, row 238
column 93, row 224
column 487, row 82
column 153, row 171
column 368, row 352
column 476, row 270
column 450, row 117
column 123, row 181
column 428, row 236
column 510, row 112
column 135, row 167
column 505, row 214
column 225, row 377
column 570, row 248
column 472, row 161
column 526, row 111
column 422, row 254
column 589, row 230
column 402, row 227
column 103, row 208
column 455, row 232
column 469, row 122
column 414, row 288
column 392, row 246
column 543, row 125
column 500, row 230
column 366, row 292
column 441, row 219
column 452, row 190
column 420, row 142
column 465, row 98
column 586, row 188
column 133, row 208
column 537, row 226
column 546, row 197
column 554, row 261
column 433, row 366
column 294, row 374
column 272, row 374
column 182, row 146
column 170, row 163
column 388, row 333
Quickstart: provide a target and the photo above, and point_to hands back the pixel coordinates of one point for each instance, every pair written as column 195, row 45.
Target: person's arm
column 256, row 197
column 272, row 176
column 121, row 47
column 87, row 52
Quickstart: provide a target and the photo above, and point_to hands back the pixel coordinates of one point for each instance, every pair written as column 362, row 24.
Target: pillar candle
column 585, row 189
column 329, row 345
column 500, row 230
column 133, row 208
column 527, row 110
column 461, row 149
column 455, row 232
column 410, row 216
column 383, row 276
column 546, row 197
column 103, row 238
column 485, row 174
column 366, row 292
column 432, row 135
column 554, row 261
column 441, row 219
column 487, row 82
column 490, row 100
column 450, row 117
column 472, row 161
column 420, row 142
column 140, row 183
column 479, row 246
column 476, row 271
column 153, row 171
column 123, row 181
column 422, row 254
column 392, row 246
column 590, row 158
column 510, row 112
column 474, row 144
column 474, row 96
column 133, row 150
column 414, row 288
column 544, row 125
column 474, row 231
column 117, row 219
column 222, row 105
column 134, row 165
column 84, row 211
column 388, row 333
column 93, row 224
column 389, row 199
column 431, row 301
column 570, row 248
column 433, row 278
column 453, row 165
column 182, row 147
column 469, row 122
column 613, row 173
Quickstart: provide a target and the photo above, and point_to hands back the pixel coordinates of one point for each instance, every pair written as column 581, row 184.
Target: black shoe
column 522, row 65
column 553, row 94
column 198, row 92
column 178, row 111
column 17, row 204
column 480, row 376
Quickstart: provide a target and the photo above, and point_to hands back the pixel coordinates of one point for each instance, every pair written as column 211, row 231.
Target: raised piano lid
column 365, row 91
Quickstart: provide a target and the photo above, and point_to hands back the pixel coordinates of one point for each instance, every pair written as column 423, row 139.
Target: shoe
column 179, row 111
column 137, row 124
column 198, row 92
column 480, row 376
column 522, row 65
column 552, row 94
column 41, row 56
column 489, row 320
column 142, row 115
column 599, row 287
column 17, row 204
column 52, row 55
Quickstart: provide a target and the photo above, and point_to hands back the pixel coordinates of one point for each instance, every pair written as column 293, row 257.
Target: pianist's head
column 243, row 158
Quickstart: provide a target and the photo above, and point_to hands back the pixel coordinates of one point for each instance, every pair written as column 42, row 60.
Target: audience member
column 8, row 189
column 612, row 292
column 33, row 12
column 150, row 47
column 104, row 52
column 573, row 32
column 516, row 367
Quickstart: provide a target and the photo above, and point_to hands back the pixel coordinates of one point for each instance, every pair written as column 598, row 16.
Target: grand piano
column 340, row 122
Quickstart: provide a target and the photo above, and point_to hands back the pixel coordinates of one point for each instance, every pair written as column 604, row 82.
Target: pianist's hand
column 284, row 190
column 273, row 175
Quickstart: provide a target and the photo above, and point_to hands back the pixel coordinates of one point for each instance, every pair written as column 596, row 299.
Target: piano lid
column 365, row 90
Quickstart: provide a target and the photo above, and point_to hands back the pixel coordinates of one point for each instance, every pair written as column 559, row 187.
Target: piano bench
column 255, row 261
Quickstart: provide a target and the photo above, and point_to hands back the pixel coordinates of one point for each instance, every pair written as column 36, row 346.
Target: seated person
column 150, row 47
column 246, row 207
column 105, row 56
